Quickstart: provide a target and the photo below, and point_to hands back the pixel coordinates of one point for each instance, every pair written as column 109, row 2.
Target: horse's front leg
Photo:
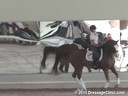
column 66, row 66
column 55, row 66
column 107, row 78
column 79, row 76
column 63, row 63
column 117, row 76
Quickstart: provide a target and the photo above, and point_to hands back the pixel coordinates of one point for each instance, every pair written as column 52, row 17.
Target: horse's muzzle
column 117, row 56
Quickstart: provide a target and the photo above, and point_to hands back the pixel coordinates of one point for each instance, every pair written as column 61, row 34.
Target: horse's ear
column 117, row 41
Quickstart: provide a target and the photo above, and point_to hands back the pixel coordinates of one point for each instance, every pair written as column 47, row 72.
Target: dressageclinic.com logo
column 99, row 92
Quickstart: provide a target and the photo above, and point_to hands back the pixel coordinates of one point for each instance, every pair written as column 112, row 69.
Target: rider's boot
column 95, row 65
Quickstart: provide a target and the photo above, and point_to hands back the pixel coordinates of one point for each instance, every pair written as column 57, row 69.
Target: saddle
column 89, row 55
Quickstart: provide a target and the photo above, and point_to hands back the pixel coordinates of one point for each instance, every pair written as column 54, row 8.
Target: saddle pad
column 89, row 55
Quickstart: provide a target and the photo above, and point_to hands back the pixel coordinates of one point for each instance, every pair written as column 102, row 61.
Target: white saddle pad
column 89, row 55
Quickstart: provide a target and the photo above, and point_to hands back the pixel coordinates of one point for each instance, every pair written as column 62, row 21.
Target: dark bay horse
column 85, row 43
column 78, row 61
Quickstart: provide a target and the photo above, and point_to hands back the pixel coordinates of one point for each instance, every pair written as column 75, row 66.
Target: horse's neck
column 106, row 50
column 107, row 53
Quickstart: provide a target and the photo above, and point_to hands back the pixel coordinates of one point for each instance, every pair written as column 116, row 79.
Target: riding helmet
column 92, row 27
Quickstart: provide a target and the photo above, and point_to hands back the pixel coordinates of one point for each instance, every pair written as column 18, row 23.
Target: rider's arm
column 93, row 43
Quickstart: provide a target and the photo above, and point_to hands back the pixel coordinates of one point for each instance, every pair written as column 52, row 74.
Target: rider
column 94, row 44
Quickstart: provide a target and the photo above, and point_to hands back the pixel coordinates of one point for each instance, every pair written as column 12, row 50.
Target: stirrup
column 95, row 67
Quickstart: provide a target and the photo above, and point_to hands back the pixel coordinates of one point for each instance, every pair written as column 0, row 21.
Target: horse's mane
column 110, row 43
column 109, row 46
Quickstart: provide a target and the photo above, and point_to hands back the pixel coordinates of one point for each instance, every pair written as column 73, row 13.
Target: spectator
column 30, row 32
column 109, row 37
column 105, row 36
column 4, row 28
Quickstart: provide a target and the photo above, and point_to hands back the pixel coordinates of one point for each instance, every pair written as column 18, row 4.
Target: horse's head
column 111, row 46
column 116, row 46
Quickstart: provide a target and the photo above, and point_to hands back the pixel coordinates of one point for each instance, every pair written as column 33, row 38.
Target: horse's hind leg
column 117, row 76
column 43, row 65
column 64, row 63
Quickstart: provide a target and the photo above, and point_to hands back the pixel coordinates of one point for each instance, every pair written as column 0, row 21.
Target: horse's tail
column 47, row 50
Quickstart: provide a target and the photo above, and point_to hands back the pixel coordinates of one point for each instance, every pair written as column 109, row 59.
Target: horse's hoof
column 117, row 86
column 66, row 72
column 62, row 71
column 40, row 72
column 103, row 89
column 50, row 73
column 57, row 73
column 54, row 72
column 44, row 67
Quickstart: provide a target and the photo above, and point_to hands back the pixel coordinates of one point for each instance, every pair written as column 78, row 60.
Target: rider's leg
column 94, row 61
column 94, row 49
